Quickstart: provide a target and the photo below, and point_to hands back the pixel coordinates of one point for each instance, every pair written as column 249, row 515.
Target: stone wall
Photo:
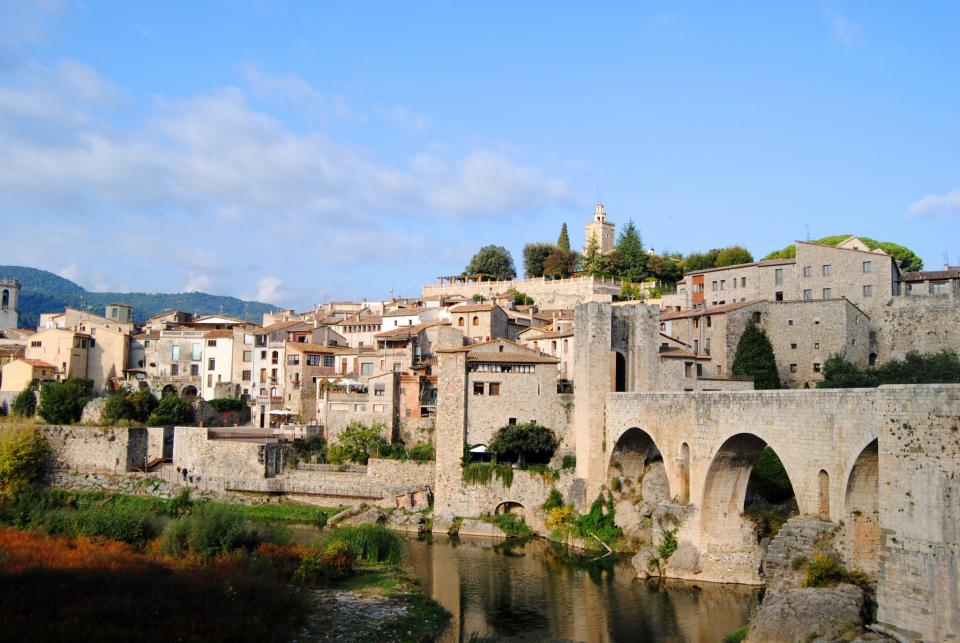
column 400, row 472
column 926, row 324
column 89, row 449
column 547, row 293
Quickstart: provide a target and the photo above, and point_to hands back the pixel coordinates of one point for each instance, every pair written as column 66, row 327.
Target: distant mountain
column 44, row 292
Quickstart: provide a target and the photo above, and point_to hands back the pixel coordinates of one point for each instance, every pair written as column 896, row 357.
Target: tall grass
column 212, row 529
column 368, row 543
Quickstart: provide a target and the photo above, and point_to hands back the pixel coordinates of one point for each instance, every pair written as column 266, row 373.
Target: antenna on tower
column 946, row 260
column 598, row 190
column 808, row 231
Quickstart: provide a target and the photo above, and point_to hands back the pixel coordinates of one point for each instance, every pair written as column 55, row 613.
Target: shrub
column 114, row 522
column 511, row 525
column 367, row 543
column 171, row 410
column 915, row 368
column 599, row 521
column 23, row 454
column 825, row 570
column 738, row 635
column 225, row 404
column 179, row 504
column 568, row 462
column 528, row 442
column 63, row 402
column 481, row 473
column 422, row 452
column 668, row 544
column 560, row 516
column 325, row 567
column 133, row 407
column 554, row 500
column 24, row 404
column 208, row 531
column 357, row 442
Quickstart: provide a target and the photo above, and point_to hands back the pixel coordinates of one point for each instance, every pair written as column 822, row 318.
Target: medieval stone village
column 755, row 424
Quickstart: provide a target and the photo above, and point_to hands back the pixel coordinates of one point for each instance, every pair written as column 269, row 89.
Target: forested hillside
column 44, row 292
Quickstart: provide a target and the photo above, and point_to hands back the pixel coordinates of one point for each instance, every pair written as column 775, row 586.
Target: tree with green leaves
column 129, row 406
column 561, row 264
column 664, row 269
column 358, row 442
column 733, row 255
column 23, row 454
column 634, row 258
column 907, row 258
column 170, row 411
column 494, row 261
column 534, row 256
column 63, row 402
column 524, row 443
column 755, row 358
column 563, row 242
column 592, row 259
column 25, row 403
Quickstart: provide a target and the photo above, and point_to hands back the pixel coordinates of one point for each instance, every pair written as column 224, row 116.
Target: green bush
column 171, row 410
column 554, row 500
column 333, row 564
column 208, row 531
column 114, row 522
column 599, row 521
column 481, row 473
column 124, row 405
column 511, row 525
column 63, row 402
column 225, row 404
column 615, row 484
column 358, row 442
column 528, row 442
column 825, row 570
column 568, row 462
column 738, row 635
column 668, row 544
column 367, row 543
column 422, row 452
column 914, row 368
column 24, row 404
column 23, row 455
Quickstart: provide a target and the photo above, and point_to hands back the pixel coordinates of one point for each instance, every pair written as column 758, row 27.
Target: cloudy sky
column 300, row 152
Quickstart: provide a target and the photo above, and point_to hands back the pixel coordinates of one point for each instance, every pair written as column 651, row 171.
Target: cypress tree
column 631, row 249
column 755, row 358
column 563, row 243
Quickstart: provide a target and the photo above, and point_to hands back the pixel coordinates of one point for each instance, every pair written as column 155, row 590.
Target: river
column 540, row 592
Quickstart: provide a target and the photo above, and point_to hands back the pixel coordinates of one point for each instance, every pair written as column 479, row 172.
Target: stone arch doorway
column 725, row 493
column 169, row 389
column 510, row 507
column 190, row 391
column 862, row 511
column 619, row 372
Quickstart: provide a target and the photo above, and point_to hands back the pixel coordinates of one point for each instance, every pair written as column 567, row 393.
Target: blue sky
column 300, row 152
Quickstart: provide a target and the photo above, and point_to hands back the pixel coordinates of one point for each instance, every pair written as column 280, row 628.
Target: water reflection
column 540, row 592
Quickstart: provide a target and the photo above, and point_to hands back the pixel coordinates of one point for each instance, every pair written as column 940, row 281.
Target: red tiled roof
column 699, row 312
column 953, row 273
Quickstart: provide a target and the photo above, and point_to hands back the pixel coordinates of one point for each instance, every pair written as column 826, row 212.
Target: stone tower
column 9, row 297
column 600, row 228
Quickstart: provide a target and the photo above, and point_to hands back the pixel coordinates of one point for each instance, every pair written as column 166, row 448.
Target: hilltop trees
column 534, row 257
column 755, row 358
column 494, row 261
column 715, row 258
column 63, row 402
column 561, row 264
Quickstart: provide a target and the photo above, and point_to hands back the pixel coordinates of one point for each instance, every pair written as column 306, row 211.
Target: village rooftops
column 38, row 363
column 501, row 351
column 404, row 333
column 217, row 334
column 931, row 275
column 302, row 347
column 681, row 353
column 402, row 312
column 715, row 310
column 273, row 328
column 473, row 308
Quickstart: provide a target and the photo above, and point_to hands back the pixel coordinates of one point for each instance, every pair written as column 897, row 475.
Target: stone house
column 308, row 365
column 482, row 322
column 556, row 341
column 360, row 329
column 68, row 350
column 931, row 283
column 173, row 361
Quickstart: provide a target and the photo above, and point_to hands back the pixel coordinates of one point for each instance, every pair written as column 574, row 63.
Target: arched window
column 5, row 303
column 476, row 320
column 460, row 322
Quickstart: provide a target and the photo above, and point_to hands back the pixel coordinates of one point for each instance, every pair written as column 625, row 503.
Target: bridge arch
column 861, row 509
column 631, row 458
column 510, row 507
column 725, row 490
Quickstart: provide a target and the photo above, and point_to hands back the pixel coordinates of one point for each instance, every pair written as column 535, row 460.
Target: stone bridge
column 881, row 462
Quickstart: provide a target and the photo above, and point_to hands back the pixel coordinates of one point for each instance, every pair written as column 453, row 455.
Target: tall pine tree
column 631, row 249
column 755, row 358
column 563, row 243
column 593, row 263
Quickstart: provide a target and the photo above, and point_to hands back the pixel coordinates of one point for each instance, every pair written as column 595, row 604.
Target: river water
column 541, row 592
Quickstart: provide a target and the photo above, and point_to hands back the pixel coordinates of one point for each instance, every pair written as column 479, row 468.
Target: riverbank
column 98, row 566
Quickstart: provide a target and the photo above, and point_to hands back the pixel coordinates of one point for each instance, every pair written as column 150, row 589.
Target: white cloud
column 937, row 204
column 197, row 283
column 289, row 87
column 269, row 290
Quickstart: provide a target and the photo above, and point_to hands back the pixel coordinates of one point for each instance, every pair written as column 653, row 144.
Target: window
column 460, row 321
column 174, row 369
column 313, row 360
column 494, row 388
column 816, row 367
column 478, row 388
column 709, row 321
column 868, row 291
column 778, row 296
column 778, row 277
column 329, row 360
column 275, row 357
column 808, row 271
column 696, row 347
column 793, row 367
column 248, row 356
column 263, row 354
column 756, row 317
column 195, row 370
column 816, row 346
column 379, row 390
column 789, row 322
column 714, row 286
column 263, row 375
column 212, row 343
column 366, row 368
column 512, row 421
column 246, row 376
column 175, row 353
column 209, row 380
column 940, row 288
column 196, row 353
column 36, row 344
column 273, row 373
column 706, row 346
column 827, row 270
column 743, row 282
column 807, row 294
column 476, row 321
column 723, row 284
column 793, row 347
column 868, row 266
column 293, row 359
column 816, row 321
column 827, row 293
column 211, row 364
column 360, row 408
column 688, row 369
